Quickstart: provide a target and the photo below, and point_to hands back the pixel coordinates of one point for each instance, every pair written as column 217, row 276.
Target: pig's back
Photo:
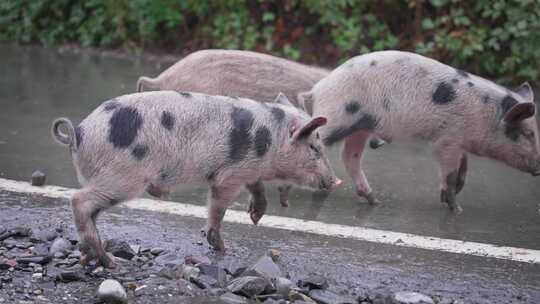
column 240, row 73
column 410, row 95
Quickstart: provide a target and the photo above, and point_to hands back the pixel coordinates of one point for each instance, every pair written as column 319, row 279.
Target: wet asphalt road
column 502, row 206
column 352, row 267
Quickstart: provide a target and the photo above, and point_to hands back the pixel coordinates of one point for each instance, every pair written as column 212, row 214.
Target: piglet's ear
column 525, row 91
column 520, row 112
column 282, row 99
column 308, row 128
column 305, row 100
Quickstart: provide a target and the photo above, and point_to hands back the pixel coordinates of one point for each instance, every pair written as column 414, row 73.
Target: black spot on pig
column 352, row 107
column 486, row 99
column 79, row 134
column 470, row 84
column 366, row 122
column 185, row 94
column 278, row 113
column 444, row 94
column 512, row 131
column 386, row 104
column 507, row 103
column 124, row 125
column 240, row 138
column 111, row 105
column 263, row 141
column 462, row 73
column 139, row 151
column 373, row 63
column 167, row 120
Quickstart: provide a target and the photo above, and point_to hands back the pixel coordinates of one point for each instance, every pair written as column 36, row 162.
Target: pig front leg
column 219, row 198
column 452, row 169
column 352, row 158
column 257, row 201
column 284, row 191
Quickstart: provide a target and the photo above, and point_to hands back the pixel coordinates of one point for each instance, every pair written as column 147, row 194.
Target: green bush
column 494, row 38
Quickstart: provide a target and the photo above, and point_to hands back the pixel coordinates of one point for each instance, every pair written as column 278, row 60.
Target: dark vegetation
column 494, row 38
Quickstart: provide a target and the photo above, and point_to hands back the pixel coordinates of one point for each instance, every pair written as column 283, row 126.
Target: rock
column 313, row 281
column 205, row 282
column 16, row 232
column 264, row 267
column 170, row 273
column 70, row 276
column 322, row 296
column 60, row 245
column 41, row 249
column 274, row 254
column 119, row 249
column 231, row 298
column 37, row 259
column 6, row 264
column 189, row 272
column 157, row 251
column 249, row 286
column 283, row 286
column 110, row 291
column 217, row 273
column 37, row 275
column 38, row 178
column 409, row 297
column 295, row 295
column 43, row 236
column 59, row 255
column 169, row 259
column 76, row 254
column 193, row 260
column 136, row 248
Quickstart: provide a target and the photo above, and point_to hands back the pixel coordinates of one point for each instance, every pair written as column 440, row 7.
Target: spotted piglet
column 398, row 95
column 159, row 140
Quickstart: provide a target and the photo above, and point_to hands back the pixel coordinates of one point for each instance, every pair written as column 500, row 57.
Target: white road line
column 334, row 230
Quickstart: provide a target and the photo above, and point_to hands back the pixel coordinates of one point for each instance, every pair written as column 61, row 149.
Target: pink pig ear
column 520, row 112
column 308, row 128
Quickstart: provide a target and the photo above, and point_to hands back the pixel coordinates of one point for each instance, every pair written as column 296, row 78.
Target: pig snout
column 330, row 184
column 535, row 171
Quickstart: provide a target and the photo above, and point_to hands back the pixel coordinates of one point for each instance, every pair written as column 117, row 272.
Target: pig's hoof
column 371, row 199
column 376, row 143
column 214, row 239
column 456, row 209
column 284, row 203
column 255, row 217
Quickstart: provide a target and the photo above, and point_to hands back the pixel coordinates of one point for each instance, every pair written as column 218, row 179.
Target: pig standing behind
column 167, row 138
column 238, row 73
column 396, row 95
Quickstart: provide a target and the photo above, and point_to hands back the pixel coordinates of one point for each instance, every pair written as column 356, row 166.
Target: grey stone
column 249, row 286
column 322, row 296
column 120, row 249
column 283, row 286
column 41, row 249
column 136, row 248
column 204, row 281
column 43, row 236
column 37, row 259
column 76, row 254
column 231, row 298
column 60, row 245
column 156, row 251
column 216, row 272
column 295, row 295
column 59, row 255
column 409, row 297
column 168, row 259
column 70, row 276
column 189, row 272
column 38, row 178
column 313, row 281
column 264, row 267
column 111, row 291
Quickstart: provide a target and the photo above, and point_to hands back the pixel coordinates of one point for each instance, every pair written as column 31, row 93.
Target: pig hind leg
column 87, row 204
column 352, row 158
column 219, row 198
column 452, row 169
column 284, row 191
column 257, row 201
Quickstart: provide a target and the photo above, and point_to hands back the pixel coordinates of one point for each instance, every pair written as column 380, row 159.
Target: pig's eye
column 317, row 135
column 528, row 134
